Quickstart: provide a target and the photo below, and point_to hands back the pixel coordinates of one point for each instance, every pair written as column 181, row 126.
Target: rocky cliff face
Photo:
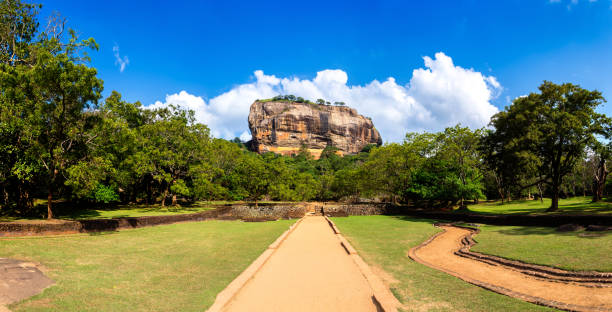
column 283, row 127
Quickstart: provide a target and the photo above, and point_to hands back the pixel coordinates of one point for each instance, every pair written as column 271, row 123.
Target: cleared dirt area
column 20, row 280
column 439, row 253
column 310, row 271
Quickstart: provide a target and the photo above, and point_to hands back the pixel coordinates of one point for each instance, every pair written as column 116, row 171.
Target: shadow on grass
column 569, row 206
column 536, row 230
column 103, row 233
column 518, row 230
column 418, row 220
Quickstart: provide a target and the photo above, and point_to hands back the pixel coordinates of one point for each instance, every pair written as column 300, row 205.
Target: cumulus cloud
column 122, row 62
column 439, row 95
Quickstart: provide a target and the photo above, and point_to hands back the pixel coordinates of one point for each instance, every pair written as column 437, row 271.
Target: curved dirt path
column 439, row 253
column 310, row 271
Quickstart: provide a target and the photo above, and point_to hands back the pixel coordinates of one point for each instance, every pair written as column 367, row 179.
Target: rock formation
column 283, row 127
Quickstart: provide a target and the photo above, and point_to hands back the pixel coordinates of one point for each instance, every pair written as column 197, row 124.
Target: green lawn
column 569, row 206
column 589, row 251
column 384, row 241
column 177, row 267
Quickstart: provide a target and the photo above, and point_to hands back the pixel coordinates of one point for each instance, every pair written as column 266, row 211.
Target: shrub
column 105, row 194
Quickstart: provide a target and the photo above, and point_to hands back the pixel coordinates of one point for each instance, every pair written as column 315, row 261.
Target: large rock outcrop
column 283, row 127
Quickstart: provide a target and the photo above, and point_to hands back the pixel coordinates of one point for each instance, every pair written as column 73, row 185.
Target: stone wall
column 267, row 212
column 243, row 212
column 366, row 209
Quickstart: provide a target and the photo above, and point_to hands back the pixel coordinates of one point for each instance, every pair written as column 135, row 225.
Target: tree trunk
column 173, row 199
column 500, row 189
column 554, row 206
column 6, row 196
column 50, row 195
column 599, row 180
column 163, row 201
column 49, row 200
column 462, row 204
column 540, row 191
column 149, row 192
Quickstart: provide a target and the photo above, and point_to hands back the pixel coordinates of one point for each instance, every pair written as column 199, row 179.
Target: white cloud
column 122, row 62
column 439, row 95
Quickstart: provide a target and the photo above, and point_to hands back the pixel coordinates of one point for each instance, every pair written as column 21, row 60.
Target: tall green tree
column 553, row 126
column 19, row 166
column 57, row 88
column 252, row 176
column 389, row 170
column 169, row 147
column 64, row 88
column 459, row 146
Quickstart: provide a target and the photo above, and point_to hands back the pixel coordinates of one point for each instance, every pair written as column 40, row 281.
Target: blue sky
column 210, row 48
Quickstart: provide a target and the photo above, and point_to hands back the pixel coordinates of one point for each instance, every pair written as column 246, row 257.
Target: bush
column 105, row 194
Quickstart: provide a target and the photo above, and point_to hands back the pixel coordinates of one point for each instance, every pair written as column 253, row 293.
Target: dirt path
column 439, row 253
column 310, row 271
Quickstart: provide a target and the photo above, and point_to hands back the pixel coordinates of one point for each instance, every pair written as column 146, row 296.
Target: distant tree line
column 59, row 140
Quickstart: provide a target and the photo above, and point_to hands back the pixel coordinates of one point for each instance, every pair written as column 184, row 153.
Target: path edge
column 494, row 288
column 382, row 294
column 230, row 291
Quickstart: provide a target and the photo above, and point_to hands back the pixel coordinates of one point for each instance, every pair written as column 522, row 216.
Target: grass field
column 569, row 206
column 383, row 242
column 178, row 267
column 581, row 250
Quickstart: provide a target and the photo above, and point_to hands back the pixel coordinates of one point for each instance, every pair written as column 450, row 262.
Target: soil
column 310, row 271
column 20, row 280
column 440, row 253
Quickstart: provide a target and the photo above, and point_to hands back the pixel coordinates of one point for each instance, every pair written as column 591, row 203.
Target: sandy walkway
column 310, row 271
column 439, row 254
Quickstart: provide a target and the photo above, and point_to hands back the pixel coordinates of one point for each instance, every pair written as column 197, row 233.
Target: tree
column 64, row 90
column 18, row 28
column 19, row 164
column 114, row 141
column 459, row 146
column 252, row 176
column 553, row 127
column 389, row 168
column 321, row 101
column 169, row 147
